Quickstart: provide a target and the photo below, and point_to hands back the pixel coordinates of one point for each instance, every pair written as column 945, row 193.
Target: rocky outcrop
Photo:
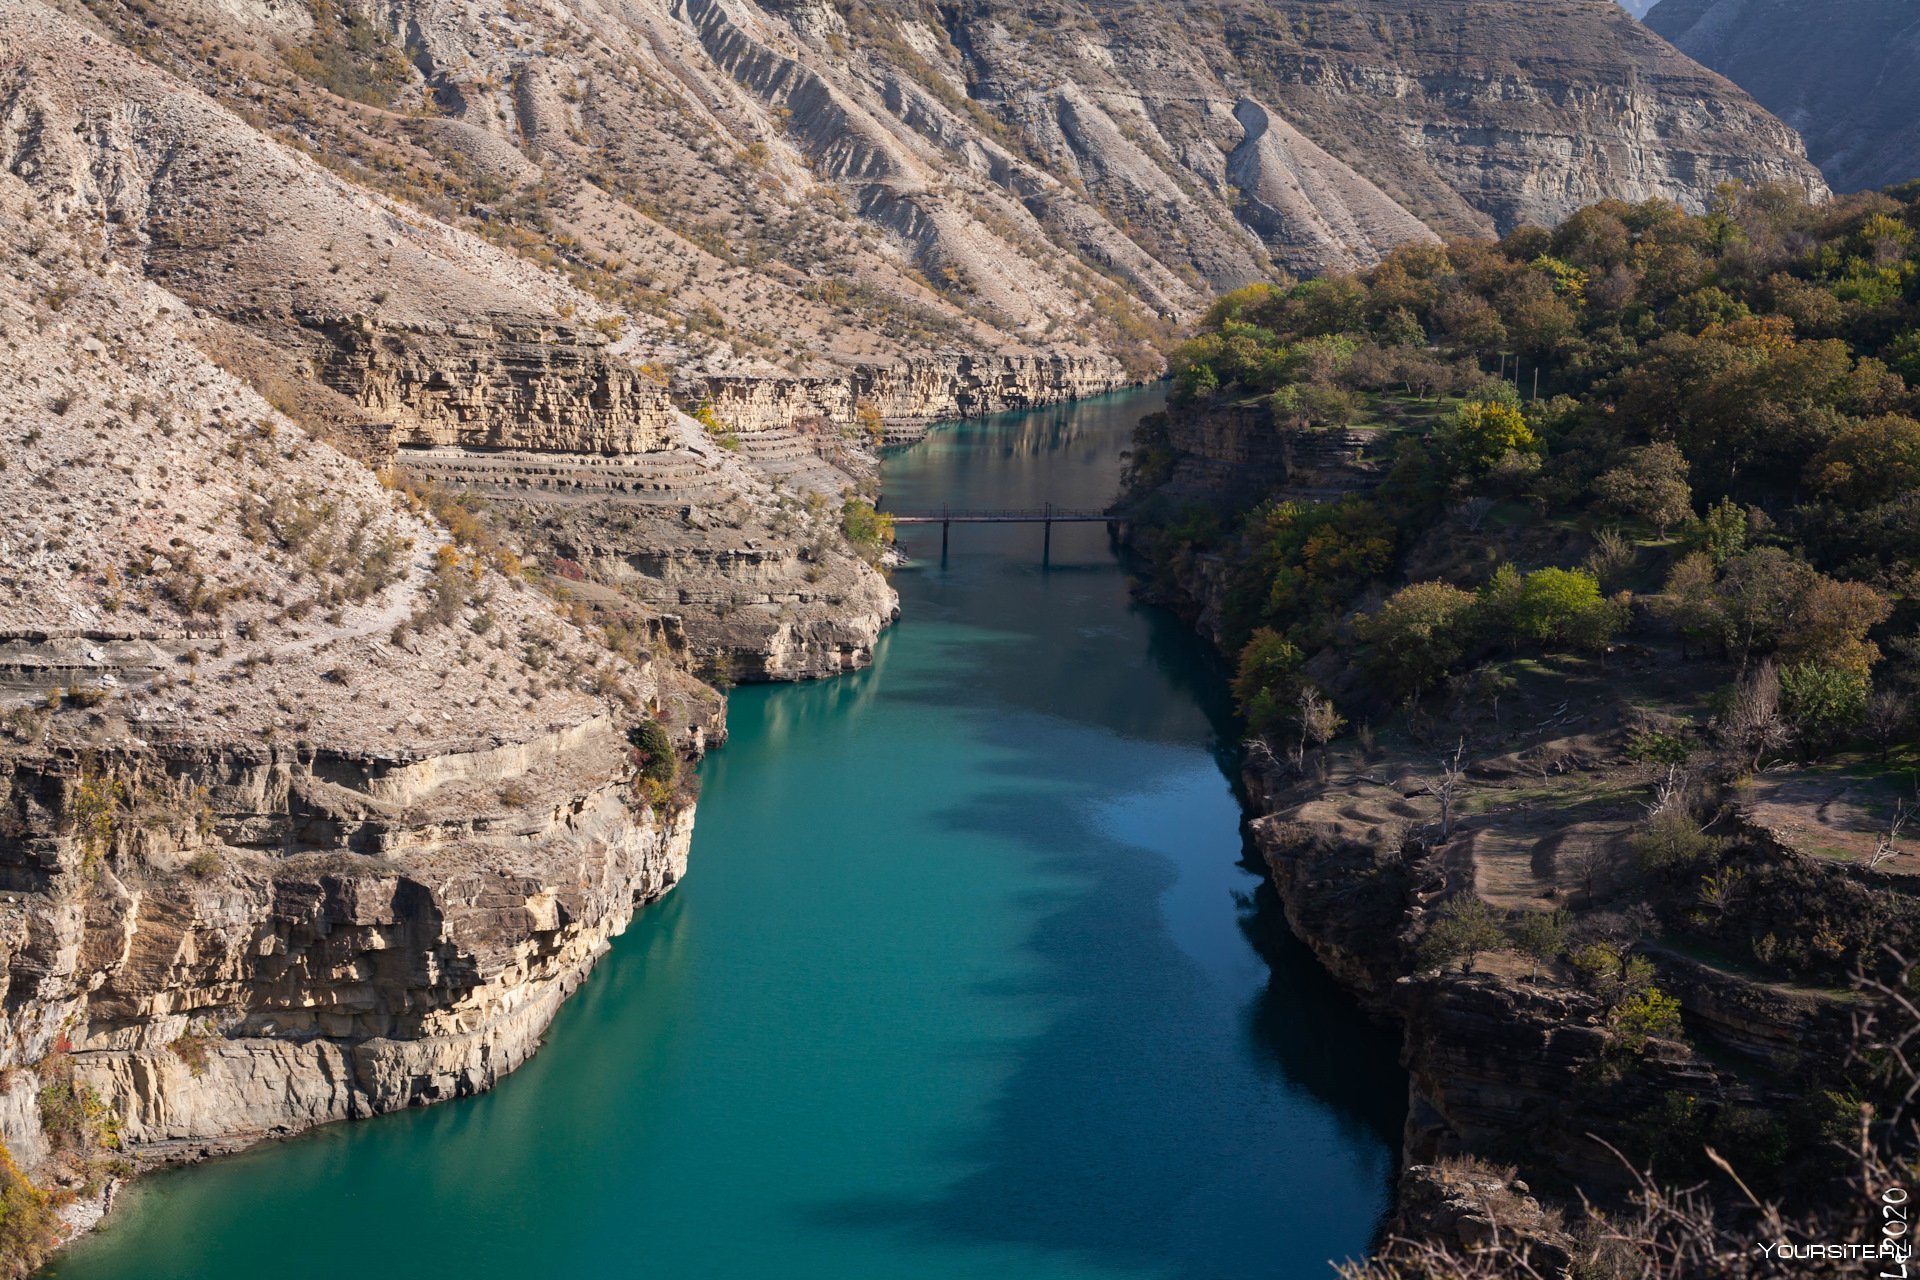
column 1840, row 72
column 1467, row 1205
column 906, row 396
column 311, row 805
column 497, row 383
column 270, row 940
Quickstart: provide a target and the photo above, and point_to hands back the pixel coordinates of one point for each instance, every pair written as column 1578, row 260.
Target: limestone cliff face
column 309, row 807
column 494, row 384
column 272, row 939
column 907, row 394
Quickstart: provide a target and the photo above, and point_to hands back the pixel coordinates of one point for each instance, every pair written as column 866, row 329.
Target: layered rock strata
column 495, row 384
column 909, row 395
column 288, row 937
column 311, row 805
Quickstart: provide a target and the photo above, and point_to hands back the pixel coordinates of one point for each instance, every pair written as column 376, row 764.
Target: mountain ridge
column 1843, row 76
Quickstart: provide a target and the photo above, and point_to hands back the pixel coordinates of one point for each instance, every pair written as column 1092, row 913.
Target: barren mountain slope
column 1845, row 73
column 308, row 809
column 809, row 184
column 389, row 331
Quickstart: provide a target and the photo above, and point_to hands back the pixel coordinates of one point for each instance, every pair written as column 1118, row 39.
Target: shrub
column 1466, row 927
column 1822, row 704
column 194, row 1050
column 1659, row 746
column 1645, row 1015
column 76, row 1119
column 1417, row 637
column 348, row 55
column 1267, row 681
column 29, row 1221
column 868, row 532
column 1542, row 935
column 1612, row 972
column 1672, row 842
column 653, row 751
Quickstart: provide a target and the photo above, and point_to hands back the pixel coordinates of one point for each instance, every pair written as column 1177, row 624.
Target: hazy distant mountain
column 1638, row 8
column 1845, row 73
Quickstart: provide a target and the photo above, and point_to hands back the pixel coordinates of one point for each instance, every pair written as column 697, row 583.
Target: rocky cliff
column 1514, row 1061
column 1841, row 72
column 904, row 397
column 251, row 942
column 493, row 384
column 311, row 806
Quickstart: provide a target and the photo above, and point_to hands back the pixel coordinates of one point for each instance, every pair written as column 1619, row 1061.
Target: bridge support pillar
column 946, row 524
column 1046, row 537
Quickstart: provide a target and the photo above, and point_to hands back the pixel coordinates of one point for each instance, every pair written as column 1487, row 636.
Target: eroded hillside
column 314, row 806
column 807, row 185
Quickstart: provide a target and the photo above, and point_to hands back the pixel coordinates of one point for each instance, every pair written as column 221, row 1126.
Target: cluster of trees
column 1696, row 433
column 1725, row 405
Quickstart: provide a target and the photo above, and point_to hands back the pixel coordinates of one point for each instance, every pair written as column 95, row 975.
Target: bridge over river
column 1047, row 516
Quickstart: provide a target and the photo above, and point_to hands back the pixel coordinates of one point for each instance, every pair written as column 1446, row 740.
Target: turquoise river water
column 966, row 981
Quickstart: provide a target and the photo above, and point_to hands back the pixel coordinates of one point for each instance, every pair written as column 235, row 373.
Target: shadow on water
column 1177, row 1114
column 1139, row 1157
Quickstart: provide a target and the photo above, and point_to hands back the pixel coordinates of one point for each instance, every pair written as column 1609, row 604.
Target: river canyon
column 966, row 978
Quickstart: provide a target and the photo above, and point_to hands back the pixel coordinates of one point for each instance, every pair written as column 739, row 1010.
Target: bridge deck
column 1056, row 515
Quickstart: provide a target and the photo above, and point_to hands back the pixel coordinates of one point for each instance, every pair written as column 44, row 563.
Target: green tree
column 868, row 532
column 1829, row 625
column 1646, row 1015
column 1466, row 927
column 1721, row 534
column 1869, row 463
column 1758, row 594
column 1650, row 485
column 1822, row 704
column 1267, row 683
column 1416, row 637
column 1482, row 432
column 1197, row 381
column 1612, row 972
column 1541, row 935
column 1551, row 603
column 1690, row 604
